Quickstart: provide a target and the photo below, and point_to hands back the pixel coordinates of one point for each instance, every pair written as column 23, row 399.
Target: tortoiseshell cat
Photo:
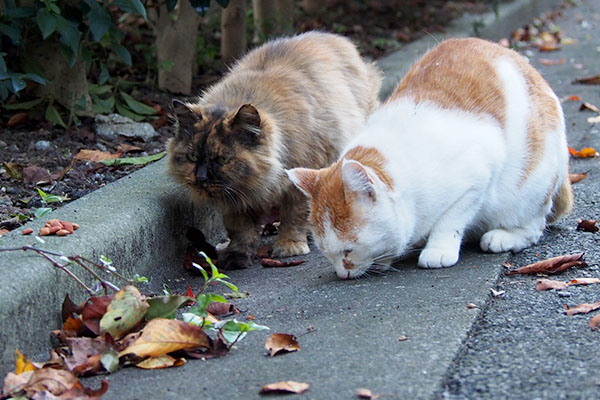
column 293, row 102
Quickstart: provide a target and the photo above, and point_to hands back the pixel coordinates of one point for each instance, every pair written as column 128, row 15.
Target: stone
column 42, row 145
column 108, row 127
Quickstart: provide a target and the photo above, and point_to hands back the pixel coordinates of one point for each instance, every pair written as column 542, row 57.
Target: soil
column 34, row 154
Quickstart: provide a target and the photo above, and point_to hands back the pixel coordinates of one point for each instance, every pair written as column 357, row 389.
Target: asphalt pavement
column 408, row 334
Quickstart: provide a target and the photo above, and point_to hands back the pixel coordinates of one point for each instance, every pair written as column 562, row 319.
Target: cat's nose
column 201, row 174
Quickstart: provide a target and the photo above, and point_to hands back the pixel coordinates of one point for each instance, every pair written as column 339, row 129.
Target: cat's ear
column 185, row 116
column 248, row 119
column 356, row 179
column 304, row 179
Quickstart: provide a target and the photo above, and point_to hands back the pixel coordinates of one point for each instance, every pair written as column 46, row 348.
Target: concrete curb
column 140, row 220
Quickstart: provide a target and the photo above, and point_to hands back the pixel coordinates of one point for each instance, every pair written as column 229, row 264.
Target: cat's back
column 478, row 76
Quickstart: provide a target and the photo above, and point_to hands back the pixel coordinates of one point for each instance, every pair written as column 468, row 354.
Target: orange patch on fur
column 330, row 200
column 443, row 78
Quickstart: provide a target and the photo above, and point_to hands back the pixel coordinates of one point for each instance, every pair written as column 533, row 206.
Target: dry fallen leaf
column 23, row 364
column 574, row 178
column 17, row 119
column 550, row 284
column 588, row 225
column 582, row 308
column 572, row 97
column 595, row 322
column 220, row 309
column 585, row 152
column 281, row 342
column 272, row 263
column 95, row 155
column 589, row 106
column 124, row 312
column 363, row 393
column 36, row 175
column 590, row 80
column 162, row 336
column 552, row 265
column 161, row 362
column 549, row 61
column 583, row 281
column 285, row 387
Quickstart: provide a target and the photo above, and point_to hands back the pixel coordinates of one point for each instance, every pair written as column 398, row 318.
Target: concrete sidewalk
column 140, row 222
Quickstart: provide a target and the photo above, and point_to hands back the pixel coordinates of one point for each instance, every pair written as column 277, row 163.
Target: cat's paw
column 438, row 257
column 287, row 248
column 501, row 240
column 234, row 260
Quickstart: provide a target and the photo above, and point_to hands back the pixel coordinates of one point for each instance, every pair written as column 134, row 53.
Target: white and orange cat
column 472, row 141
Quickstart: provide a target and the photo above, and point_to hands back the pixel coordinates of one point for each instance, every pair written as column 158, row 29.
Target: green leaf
column 217, row 298
column 99, row 89
column 124, row 312
column 131, row 6
column 171, row 5
column 134, row 160
column 228, row 284
column 103, row 106
column 165, row 306
column 27, row 105
column 69, row 38
column 104, row 74
column 203, row 300
column 34, row 77
column 121, row 109
column 46, row 22
column 53, row 116
column 236, row 295
column 40, row 212
column 110, row 360
column 13, row 32
column 140, row 279
column 43, row 194
column 136, row 106
column 100, row 21
column 122, row 53
column 200, row 6
column 17, row 84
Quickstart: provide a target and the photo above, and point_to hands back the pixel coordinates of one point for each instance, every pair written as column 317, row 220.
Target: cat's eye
column 192, row 157
column 222, row 160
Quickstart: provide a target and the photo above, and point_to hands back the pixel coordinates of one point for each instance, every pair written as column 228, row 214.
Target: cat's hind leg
column 513, row 239
column 293, row 215
column 443, row 244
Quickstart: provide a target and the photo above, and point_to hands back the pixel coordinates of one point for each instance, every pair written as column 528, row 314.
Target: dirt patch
column 378, row 28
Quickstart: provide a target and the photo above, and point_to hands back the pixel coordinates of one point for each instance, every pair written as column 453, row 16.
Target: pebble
column 13, row 148
column 3, row 144
column 42, row 145
column 564, row 294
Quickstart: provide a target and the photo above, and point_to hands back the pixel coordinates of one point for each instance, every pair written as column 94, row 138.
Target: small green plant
column 47, row 199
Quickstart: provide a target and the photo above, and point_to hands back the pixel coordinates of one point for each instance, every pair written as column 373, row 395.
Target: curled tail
column 562, row 202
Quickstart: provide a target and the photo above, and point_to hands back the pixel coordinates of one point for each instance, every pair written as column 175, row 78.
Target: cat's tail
column 562, row 202
column 375, row 76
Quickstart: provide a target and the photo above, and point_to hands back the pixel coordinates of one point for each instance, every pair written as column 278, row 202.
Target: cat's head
column 222, row 155
column 351, row 216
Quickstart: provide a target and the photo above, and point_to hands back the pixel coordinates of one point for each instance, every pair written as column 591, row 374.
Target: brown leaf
column 363, row 393
column 69, row 308
column 582, row 308
column 549, row 61
column 128, row 148
column 36, row 175
column 272, row 263
column 595, row 322
column 583, row 281
column 589, row 106
column 95, row 155
column 574, row 178
column 162, row 336
column 552, row 265
column 590, row 80
column 93, row 310
column 217, row 308
column 550, row 284
column 55, row 381
column 17, row 119
column 285, row 387
column 281, row 342
column 83, row 354
column 161, row 362
column 588, row 225
column 78, row 392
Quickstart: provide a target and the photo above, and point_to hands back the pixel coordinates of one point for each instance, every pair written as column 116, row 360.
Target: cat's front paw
column 287, row 248
column 501, row 240
column 234, row 260
column 438, row 258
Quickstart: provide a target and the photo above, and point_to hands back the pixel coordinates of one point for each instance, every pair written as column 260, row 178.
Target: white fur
column 453, row 172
